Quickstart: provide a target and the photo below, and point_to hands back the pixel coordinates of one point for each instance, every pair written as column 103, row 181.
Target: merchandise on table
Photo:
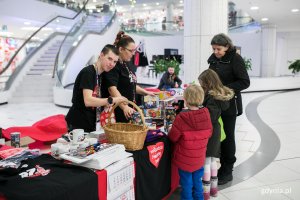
column 15, row 139
column 150, row 101
column 136, row 118
column 164, row 95
column 175, row 91
column 153, row 112
column 170, row 117
column 163, row 104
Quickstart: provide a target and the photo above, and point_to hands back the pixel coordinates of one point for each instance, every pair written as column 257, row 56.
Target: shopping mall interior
column 44, row 44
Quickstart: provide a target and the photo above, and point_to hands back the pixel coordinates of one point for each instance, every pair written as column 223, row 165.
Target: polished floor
column 267, row 137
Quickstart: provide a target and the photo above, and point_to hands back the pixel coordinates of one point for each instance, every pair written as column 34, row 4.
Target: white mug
column 76, row 136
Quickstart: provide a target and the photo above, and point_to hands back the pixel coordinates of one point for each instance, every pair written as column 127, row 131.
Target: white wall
column 288, row 49
column 250, row 44
column 155, row 45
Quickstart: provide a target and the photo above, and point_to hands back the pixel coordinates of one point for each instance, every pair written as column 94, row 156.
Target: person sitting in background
column 169, row 80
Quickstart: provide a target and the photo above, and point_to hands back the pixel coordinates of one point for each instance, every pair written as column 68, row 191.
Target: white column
column 268, row 53
column 202, row 20
column 170, row 14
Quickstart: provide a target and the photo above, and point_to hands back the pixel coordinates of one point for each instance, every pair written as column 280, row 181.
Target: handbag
column 105, row 114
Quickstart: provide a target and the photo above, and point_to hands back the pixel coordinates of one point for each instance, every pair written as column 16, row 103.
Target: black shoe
column 225, row 179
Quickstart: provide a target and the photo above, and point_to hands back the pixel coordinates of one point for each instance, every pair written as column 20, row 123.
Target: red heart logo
column 155, row 153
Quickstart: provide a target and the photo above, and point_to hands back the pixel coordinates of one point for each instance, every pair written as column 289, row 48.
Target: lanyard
column 132, row 80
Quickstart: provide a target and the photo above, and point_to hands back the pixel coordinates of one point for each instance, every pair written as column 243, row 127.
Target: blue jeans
column 191, row 184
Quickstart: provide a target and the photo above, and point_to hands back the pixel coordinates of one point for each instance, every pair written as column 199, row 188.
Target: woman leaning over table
column 122, row 81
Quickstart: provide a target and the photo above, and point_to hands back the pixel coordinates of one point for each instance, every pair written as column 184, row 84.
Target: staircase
column 37, row 84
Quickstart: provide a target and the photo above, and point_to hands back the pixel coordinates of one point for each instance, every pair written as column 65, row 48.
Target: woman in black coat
column 231, row 69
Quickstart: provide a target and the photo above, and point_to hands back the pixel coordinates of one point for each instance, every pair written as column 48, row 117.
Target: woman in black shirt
column 122, row 81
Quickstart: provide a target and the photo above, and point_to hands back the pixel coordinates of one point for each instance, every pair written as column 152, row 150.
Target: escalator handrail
column 32, row 35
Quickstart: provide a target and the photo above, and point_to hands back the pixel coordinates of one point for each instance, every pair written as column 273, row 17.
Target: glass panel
column 95, row 22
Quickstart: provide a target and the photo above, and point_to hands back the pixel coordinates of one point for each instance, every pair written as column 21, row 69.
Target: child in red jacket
column 190, row 133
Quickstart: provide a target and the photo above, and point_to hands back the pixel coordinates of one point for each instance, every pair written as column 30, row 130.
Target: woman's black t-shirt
column 124, row 79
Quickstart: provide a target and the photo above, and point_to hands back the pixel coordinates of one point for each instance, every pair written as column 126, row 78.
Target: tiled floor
column 264, row 169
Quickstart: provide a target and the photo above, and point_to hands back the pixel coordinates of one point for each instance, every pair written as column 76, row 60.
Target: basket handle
column 129, row 102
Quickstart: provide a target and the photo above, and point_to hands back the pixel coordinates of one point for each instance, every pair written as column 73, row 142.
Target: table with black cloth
column 153, row 183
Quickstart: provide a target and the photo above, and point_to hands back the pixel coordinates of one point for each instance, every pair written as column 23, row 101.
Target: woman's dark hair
column 110, row 47
column 222, row 40
column 122, row 40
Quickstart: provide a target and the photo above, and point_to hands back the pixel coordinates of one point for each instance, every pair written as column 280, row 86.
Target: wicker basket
column 132, row 136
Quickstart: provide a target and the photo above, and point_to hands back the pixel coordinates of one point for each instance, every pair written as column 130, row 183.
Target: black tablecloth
column 153, row 183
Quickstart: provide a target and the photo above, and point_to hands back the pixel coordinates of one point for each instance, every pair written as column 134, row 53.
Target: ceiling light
column 264, row 19
column 254, row 8
column 295, row 10
column 94, row 1
column 27, row 23
column 180, row 1
column 144, row 4
column 157, row 4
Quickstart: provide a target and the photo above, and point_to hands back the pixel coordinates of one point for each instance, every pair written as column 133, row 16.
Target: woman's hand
column 128, row 111
column 118, row 100
column 176, row 85
column 150, row 93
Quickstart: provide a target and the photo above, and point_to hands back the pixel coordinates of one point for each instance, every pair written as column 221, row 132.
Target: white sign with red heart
column 155, row 153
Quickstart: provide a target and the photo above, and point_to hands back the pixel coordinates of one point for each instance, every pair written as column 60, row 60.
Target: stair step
column 32, row 100
column 39, row 64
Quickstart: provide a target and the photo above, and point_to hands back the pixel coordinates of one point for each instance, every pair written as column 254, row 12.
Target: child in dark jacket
column 190, row 133
column 216, row 100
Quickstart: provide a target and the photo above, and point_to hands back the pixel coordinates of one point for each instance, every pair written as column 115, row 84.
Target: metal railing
column 72, row 41
column 155, row 27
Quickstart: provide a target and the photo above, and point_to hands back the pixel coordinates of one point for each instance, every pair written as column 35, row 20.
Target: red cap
column 45, row 130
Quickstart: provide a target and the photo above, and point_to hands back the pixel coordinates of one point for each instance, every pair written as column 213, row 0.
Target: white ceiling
column 277, row 11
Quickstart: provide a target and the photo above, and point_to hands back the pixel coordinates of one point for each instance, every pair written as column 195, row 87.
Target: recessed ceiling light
column 157, row 4
column 295, row 10
column 254, row 8
column 27, row 23
column 264, row 19
column 180, row 1
column 144, row 4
